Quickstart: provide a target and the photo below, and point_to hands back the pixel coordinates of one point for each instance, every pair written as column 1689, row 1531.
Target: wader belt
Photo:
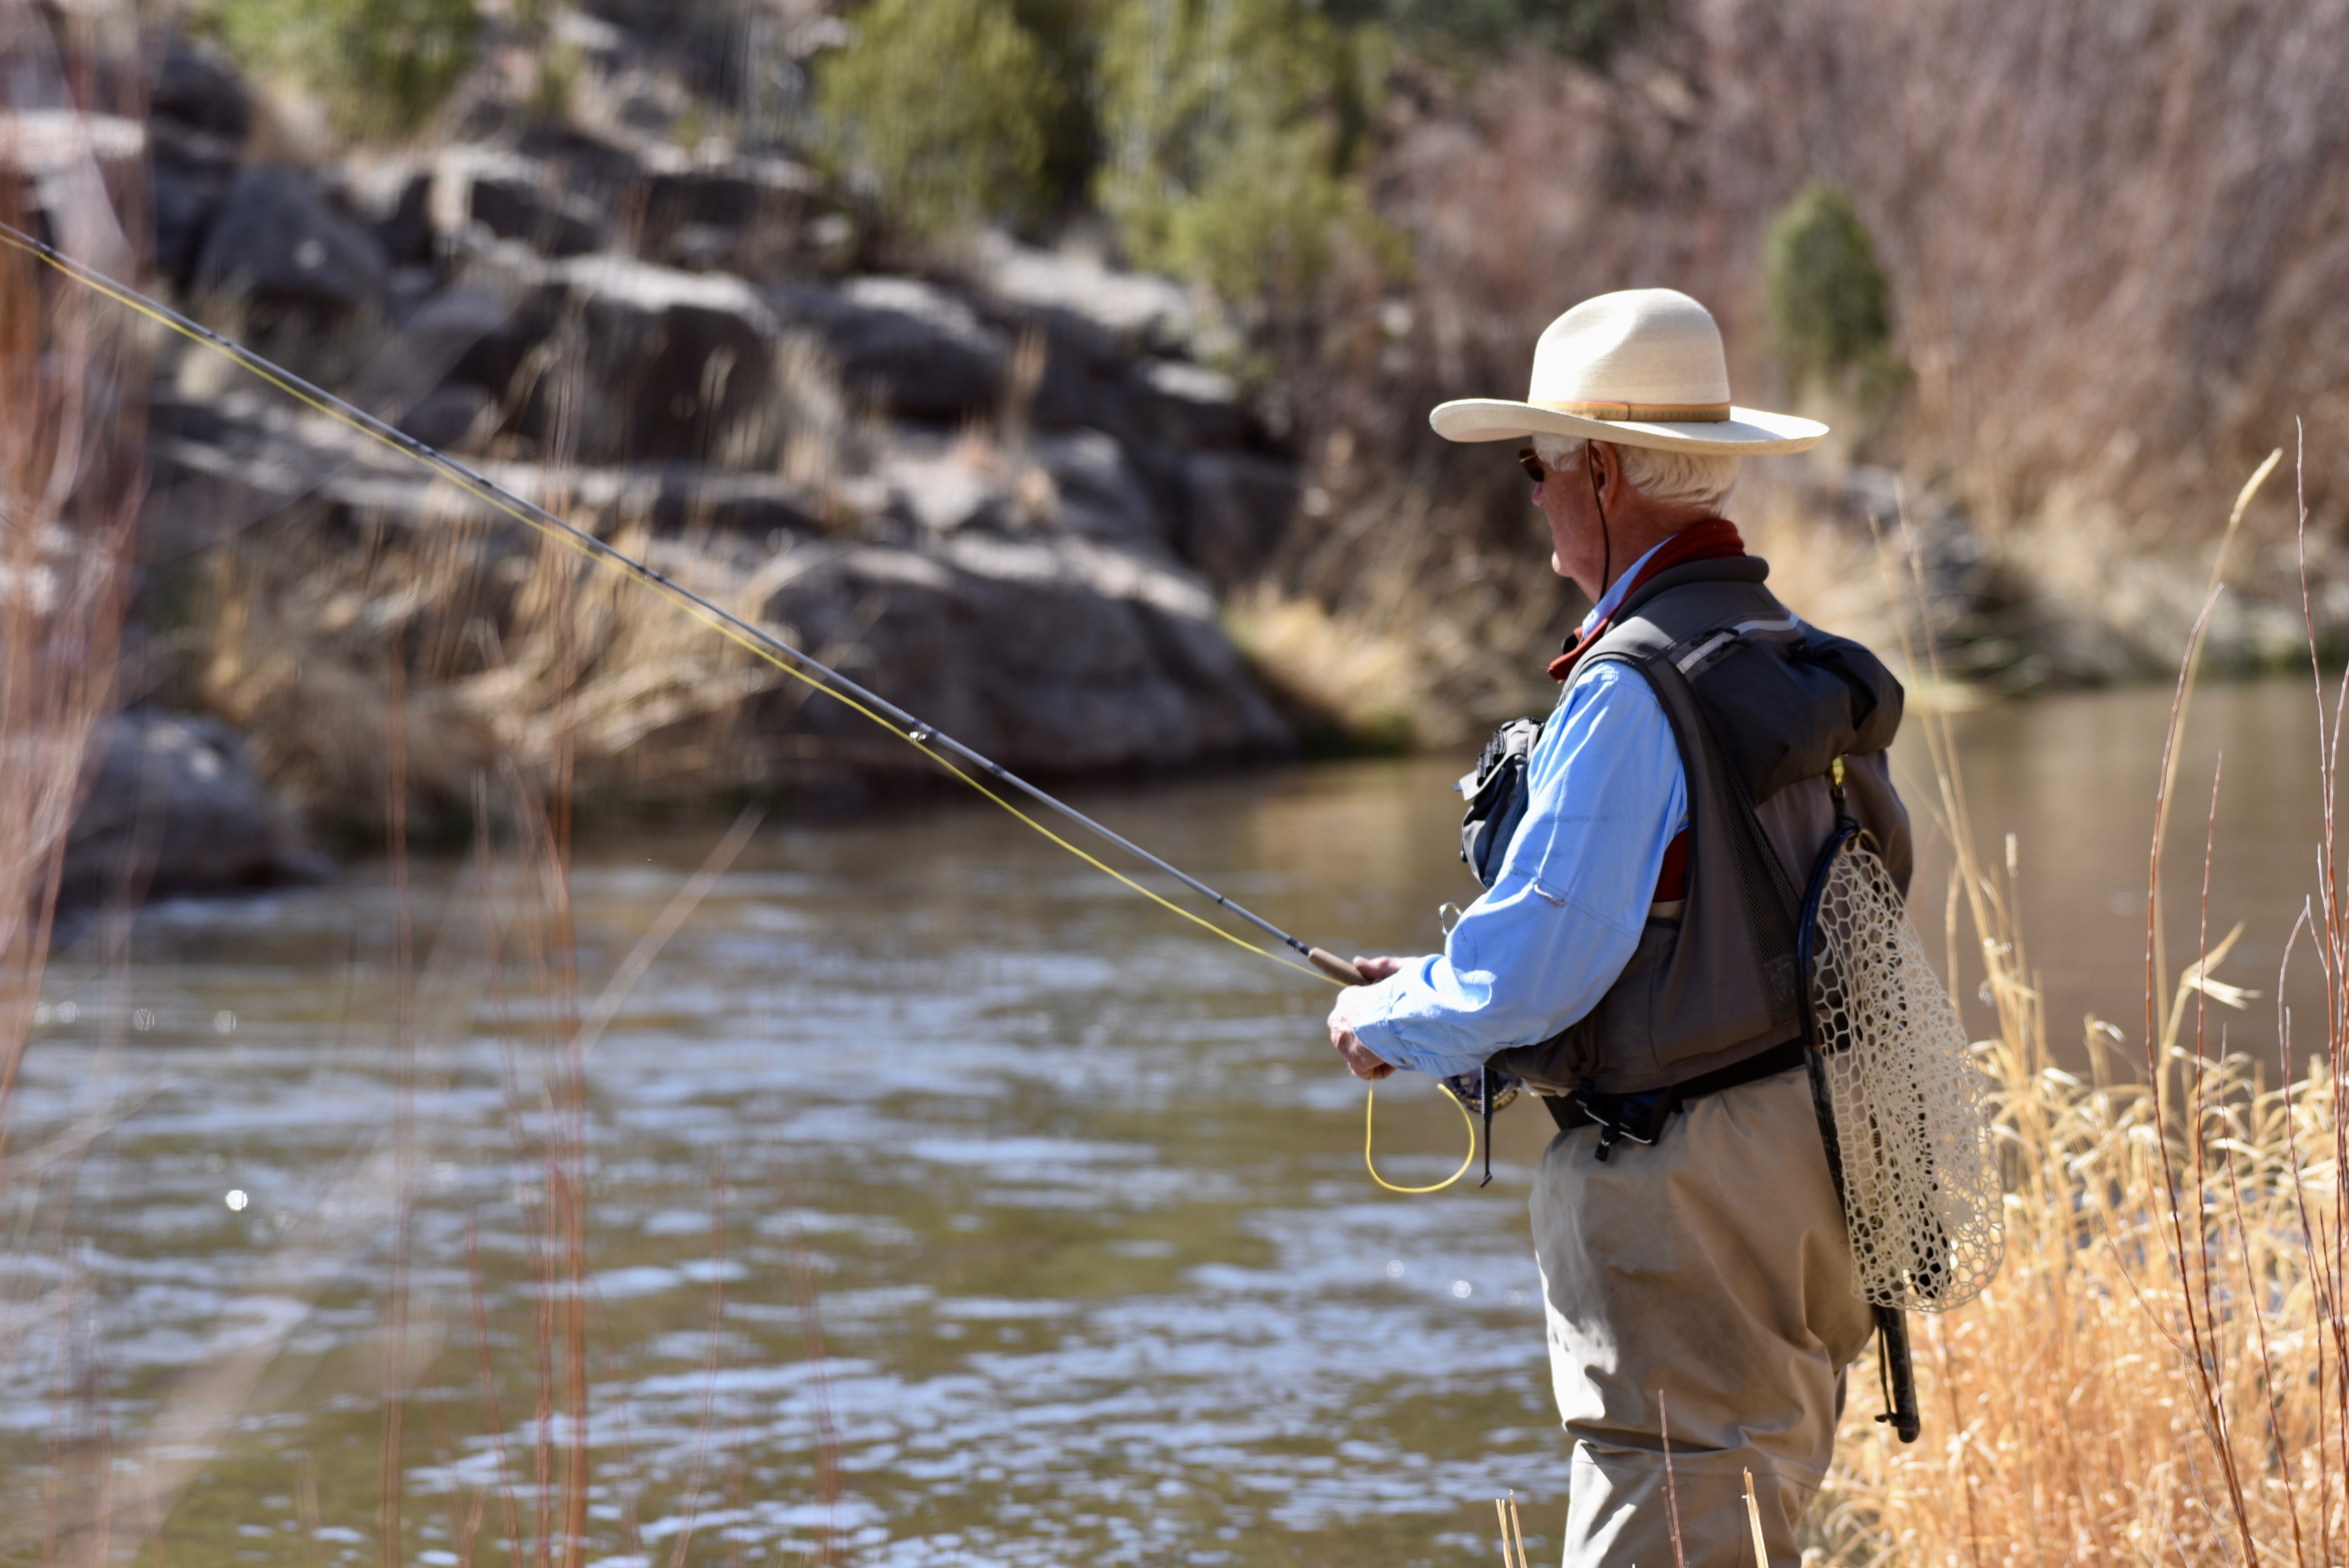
column 1641, row 1117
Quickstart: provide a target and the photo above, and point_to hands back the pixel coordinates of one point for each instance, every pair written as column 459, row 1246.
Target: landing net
column 1921, row 1190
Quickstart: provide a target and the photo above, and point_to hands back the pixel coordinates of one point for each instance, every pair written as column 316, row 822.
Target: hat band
column 1660, row 413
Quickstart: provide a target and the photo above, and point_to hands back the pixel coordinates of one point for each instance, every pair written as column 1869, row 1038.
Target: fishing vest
column 1760, row 706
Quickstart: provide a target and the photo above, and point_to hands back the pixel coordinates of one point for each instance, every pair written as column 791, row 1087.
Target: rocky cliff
column 1007, row 493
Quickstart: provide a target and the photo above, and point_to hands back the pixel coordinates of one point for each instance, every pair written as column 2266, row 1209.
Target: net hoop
column 1911, row 1106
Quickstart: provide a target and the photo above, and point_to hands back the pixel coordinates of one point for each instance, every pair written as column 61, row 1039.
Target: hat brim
column 1747, row 432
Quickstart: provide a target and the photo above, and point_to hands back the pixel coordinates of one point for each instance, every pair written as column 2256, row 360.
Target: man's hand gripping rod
column 484, row 488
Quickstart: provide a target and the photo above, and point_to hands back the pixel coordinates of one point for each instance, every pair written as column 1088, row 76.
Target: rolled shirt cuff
column 1421, row 1044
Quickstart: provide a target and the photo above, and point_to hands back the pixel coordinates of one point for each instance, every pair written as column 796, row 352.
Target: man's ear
column 1606, row 465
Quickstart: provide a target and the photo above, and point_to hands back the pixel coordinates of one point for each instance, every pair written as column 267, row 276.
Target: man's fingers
column 1360, row 1060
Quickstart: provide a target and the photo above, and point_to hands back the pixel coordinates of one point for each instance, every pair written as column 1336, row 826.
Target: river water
column 938, row 1201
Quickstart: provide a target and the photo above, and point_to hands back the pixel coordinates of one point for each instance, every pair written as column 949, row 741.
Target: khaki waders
column 1711, row 1266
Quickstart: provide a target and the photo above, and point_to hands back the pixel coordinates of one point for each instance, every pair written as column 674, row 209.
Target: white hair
column 1692, row 479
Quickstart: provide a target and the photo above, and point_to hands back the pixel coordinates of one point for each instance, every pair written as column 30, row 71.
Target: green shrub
column 1587, row 30
column 1229, row 127
column 940, row 111
column 1830, row 306
column 382, row 66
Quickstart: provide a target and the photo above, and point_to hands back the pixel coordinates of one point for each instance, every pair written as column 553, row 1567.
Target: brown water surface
column 924, row 1156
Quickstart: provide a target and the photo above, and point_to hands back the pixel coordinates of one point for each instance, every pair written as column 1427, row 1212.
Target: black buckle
column 1638, row 1118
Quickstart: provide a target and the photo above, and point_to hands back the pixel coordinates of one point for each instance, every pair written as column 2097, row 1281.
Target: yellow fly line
column 1369, row 1108
column 603, row 555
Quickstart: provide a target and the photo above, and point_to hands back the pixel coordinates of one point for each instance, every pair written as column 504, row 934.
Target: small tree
column 1229, row 129
column 1830, row 305
column 382, row 66
column 939, row 112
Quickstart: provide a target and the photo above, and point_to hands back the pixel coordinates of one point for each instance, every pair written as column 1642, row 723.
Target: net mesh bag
column 1920, row 1190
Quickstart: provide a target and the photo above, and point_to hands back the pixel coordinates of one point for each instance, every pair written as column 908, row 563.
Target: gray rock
column 220, row 462
column 406, row 226
column 747, row 215
column 175, row 806
column 1238, row 507
column 923, row 480
column 516, row 198
column 1084, row 389
column 1047, row 652
column 1139, row 310
column 275, row 239
column 910, row 347
column 671, row 365
column 198, row 85
column 446, row 416
column 1192, row 407
column 1100, row 493
column 732, row 195
column 187, row 181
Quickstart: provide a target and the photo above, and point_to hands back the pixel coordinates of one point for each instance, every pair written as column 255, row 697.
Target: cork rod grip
column 1335, row 967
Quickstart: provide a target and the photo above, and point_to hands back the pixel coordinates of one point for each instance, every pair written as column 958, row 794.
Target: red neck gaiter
column 1714, row 538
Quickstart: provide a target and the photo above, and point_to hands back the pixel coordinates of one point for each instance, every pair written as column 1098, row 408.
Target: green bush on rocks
column 939, row 114
column 1830, row 305
column 381, row 65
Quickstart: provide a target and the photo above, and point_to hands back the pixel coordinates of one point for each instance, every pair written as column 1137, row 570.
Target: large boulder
column 174, row 806
column 1238, row 509
column 197, row 87
column 189, row 179
column 665, row 365
column 1125, row 313
column 199, row 114
column 1047, row 652
column 275, row 241
column 514, row 197
column 907, row 347
column 1098, row 491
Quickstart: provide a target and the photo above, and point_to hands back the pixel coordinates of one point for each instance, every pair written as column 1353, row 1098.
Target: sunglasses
column 1530, row 460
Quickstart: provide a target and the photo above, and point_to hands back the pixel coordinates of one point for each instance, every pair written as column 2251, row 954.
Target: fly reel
column 1481, row 1093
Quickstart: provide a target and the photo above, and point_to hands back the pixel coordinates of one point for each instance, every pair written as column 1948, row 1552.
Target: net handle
column 1892, row 1328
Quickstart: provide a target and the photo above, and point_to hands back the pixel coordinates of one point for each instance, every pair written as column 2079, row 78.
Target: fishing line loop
column 1369, row 1106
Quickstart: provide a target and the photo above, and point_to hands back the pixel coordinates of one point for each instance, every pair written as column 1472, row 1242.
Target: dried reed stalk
column 73, row 375
column 2159, row 1373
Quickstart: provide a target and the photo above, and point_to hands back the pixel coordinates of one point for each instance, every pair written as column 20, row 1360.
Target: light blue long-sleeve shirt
column 1604, row 797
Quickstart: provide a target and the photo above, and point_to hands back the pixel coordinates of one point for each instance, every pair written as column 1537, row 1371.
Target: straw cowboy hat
column 1642, row 368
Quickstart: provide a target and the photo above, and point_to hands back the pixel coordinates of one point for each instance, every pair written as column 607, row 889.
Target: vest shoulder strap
column 1666, row 614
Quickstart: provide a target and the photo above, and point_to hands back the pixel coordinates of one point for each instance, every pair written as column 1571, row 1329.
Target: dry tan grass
column 516, row 654
column 2161, row 1372
column 72, row 374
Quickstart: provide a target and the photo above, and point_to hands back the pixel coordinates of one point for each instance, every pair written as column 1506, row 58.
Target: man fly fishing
column 1633, row 962
column 1649, row 960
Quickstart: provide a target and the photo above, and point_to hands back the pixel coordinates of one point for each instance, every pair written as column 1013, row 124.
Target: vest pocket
column 1625, row 1018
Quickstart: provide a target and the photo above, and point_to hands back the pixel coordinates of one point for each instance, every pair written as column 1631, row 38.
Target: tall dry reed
column 2160, row 1373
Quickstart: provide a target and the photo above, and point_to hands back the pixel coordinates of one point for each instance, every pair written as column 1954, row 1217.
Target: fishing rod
column 928, row 738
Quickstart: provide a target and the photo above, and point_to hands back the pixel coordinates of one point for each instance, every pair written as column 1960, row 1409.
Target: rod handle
column 1335, row 967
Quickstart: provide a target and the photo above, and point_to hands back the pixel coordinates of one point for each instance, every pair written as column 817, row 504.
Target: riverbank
column 1087, row 519
column 1012, row 491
